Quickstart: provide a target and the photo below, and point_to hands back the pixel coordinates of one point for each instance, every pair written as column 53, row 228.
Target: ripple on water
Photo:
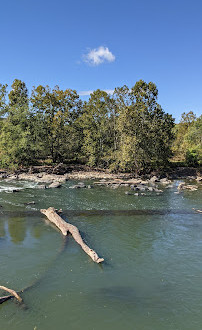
column 151, row 278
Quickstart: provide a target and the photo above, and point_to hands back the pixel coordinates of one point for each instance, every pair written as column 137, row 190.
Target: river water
column 152, row 245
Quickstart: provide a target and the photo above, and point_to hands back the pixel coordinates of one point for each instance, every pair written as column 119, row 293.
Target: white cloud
column 99, row 55
column 87, row 93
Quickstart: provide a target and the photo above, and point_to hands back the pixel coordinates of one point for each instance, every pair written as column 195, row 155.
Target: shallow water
column 151, row 277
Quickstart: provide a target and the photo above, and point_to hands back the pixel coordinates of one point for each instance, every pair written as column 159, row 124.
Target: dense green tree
column 18, row 96
column 55, row 112
column 128, row 131
column 96, row 128
column 15, row 138
column 3, row 104
column 194, row 143
column 180, row 144
column 145, row 129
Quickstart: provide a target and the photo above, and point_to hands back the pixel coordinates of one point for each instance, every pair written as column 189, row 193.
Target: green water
column 150, row 280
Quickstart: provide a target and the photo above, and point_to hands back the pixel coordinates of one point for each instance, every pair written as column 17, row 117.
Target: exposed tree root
column 66, row 227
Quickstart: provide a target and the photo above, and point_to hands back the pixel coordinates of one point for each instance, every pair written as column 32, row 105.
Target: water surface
column 151, row 277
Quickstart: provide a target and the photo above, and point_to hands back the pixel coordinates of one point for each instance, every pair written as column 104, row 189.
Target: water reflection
column 36, row 231
column 17, row 229
column 2, row 228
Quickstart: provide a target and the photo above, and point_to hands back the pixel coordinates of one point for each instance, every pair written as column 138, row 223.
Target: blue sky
column 85, row 45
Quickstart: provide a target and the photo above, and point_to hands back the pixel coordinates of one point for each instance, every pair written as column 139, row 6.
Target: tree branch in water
column 66, row 227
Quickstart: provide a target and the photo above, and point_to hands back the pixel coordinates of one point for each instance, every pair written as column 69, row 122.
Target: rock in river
column 55, row 185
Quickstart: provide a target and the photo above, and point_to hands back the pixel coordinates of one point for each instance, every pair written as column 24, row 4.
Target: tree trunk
column 66, row 227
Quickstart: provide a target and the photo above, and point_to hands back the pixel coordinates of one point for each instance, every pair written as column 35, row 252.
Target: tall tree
column 180, row 144
column 96, row 129
column 15, row 140
column 146, row 130
column 55, row 112
column 3, row 94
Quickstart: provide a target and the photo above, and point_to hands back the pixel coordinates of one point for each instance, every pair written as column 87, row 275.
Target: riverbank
column 62, row 173
column 56, row 177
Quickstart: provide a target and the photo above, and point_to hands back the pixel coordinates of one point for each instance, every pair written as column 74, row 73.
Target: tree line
column 126, row 131
column 187, row 145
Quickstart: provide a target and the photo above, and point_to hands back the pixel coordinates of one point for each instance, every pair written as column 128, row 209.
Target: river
column 152, row 246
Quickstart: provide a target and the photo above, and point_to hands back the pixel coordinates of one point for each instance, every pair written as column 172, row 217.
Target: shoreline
column 62, row 173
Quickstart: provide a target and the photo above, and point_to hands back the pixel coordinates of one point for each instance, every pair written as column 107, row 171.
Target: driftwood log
column 12, row 295
column 199, row 211
column 66, row 227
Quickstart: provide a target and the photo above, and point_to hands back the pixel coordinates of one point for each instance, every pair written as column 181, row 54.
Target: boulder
column 181, row 185
column 154, row 179
column 30, row 203
column 77, row 186
column 124, row 184
column 81, row 184
column 11, row 178
column 41, row 186
column 137, row 189
column 158, row 190
column 165, row 181
column 114, row 186
column 128, row 193
column 169, row 186
column 55, row 185
column 191, row 187
column 3, row 176
column 141, row 188
column 15, row 190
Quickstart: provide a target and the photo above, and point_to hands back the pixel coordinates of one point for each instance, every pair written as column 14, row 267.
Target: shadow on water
column 153, row 298
column 119, row 293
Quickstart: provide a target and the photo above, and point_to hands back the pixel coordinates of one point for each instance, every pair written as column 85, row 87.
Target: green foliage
column 95, row 122
column 18, row 96
column 15, row 138
column 191, row 157
column 3, row 94
column 187, row 146
column 55, row 113
column 128, row 131
column 145, row 131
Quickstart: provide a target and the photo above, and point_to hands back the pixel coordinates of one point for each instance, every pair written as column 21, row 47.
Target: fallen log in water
column 5, row 298
column 12, row 295
column 66, row 227
column 199, row 211
column 34, row 283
